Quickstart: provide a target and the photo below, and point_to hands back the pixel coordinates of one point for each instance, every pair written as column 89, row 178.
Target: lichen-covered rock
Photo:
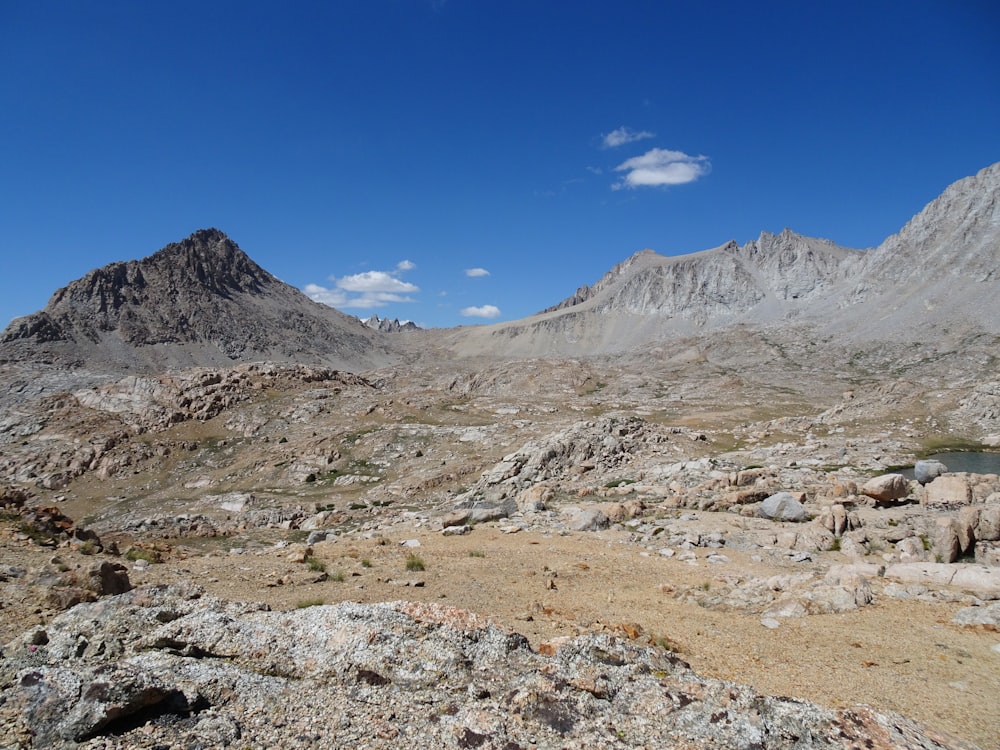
column 188, row 671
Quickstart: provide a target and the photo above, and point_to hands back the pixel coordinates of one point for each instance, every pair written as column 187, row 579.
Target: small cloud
column 365, row 290
column 624, row 135
column 476, row 273
column 486, row 311
column 661, row 167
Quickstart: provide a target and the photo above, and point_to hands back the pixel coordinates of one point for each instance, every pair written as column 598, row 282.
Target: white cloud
column 375, row 282
column 475, row 273
column 486, row 311
column 365, row 290
column 661, row 167
column 331, row 297
column 624, row 135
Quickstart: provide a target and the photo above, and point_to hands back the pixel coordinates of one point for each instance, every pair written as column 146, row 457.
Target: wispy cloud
column 485, row 311
column 661, row 167
column 624, row 135
column 476, row 273
column 365, row 290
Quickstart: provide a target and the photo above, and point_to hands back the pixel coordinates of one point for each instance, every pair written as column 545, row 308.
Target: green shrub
column 139, row 553
column 414, row 563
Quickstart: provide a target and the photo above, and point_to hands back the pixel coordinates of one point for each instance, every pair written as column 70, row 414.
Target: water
column 970, row 461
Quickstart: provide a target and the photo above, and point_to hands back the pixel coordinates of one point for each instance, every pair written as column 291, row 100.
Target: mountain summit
column 201, row 301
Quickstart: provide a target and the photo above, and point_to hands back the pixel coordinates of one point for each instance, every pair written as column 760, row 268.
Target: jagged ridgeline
column 201, row 301
column 933, row 281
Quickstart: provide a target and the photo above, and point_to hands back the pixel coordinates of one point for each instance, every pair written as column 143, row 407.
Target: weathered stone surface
column 952, row 489
column 588, row 519
column 947, row 546
column 886, row 487
column 987, row 616
column 975, row 578
column 534, row 497
column 988, row 525
column 221, row 671
column 782, row 506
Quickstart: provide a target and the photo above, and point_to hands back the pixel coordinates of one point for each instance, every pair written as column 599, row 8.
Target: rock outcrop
column 162, row 666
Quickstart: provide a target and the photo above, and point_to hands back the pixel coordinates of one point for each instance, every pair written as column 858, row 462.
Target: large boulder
column 947, row 545
column 988, row 527
column 782, row 506
column 928, row 470
column 886, row 488
column 952, row 489
column 588, row 519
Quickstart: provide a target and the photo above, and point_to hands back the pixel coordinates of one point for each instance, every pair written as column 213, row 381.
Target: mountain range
column 203, row 301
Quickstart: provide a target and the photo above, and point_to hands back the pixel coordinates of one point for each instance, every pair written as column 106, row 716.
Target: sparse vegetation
column 315, row 564
column 142, row 553
column 313, row 602
column 89, row 547
column 366, row 562
column 337, row 577
column 666, row 642
column 414, row 563
column 476, row 553
column 619, row 483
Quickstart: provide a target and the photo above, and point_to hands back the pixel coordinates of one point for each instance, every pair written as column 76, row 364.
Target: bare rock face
column 164, row 666
column 201, row 301
column 390, row 326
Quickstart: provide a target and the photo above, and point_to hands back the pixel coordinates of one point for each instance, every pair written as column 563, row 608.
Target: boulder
column 965, row 527
column 947, row 548
column 535, row 497
column 988, row 527
column 928, row 470
column 589, row 519
column 951, row 489
column 886, row 488
column 988, row 553
column 782, row 506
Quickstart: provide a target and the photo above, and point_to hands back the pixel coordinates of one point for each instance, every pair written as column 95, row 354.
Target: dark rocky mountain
column 201, row 301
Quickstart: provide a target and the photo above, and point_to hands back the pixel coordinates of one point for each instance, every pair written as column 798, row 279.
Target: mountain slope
column 650, row 297
column 939, row 275
column 201, row 301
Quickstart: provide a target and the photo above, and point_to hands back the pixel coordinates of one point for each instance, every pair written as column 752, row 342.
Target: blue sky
column 465, row 161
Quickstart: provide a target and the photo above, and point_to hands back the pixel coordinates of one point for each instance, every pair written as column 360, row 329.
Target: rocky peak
column 957, row 233
column 200, row 301
column 385, row 325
